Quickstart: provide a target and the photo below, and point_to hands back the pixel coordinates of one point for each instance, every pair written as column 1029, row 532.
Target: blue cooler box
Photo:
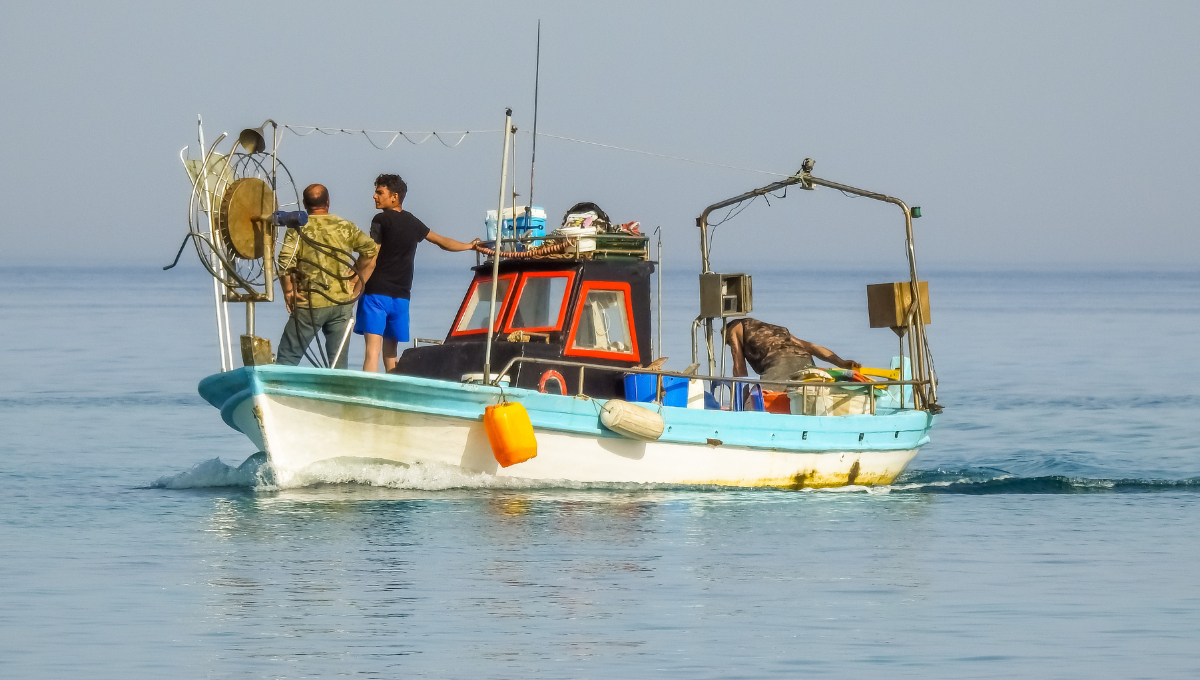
column 534, row 225
column 640, row 387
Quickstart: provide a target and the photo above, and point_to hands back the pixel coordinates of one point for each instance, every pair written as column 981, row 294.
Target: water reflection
column 399, row 570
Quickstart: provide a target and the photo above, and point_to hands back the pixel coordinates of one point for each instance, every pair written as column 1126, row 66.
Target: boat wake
column 256, row 474
column 982, row 481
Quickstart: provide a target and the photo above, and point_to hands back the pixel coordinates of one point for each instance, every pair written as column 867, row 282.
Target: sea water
column 1048, row 530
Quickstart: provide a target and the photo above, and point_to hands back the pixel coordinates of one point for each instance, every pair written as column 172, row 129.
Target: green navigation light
column 916, row 211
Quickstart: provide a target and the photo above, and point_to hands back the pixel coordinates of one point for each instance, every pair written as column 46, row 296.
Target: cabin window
column 541, row 301
column 473, row 317
column 603, row 323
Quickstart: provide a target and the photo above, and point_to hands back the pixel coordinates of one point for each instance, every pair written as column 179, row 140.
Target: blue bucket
column 640, row 387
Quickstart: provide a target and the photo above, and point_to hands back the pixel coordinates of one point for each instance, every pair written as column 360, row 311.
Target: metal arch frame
column 925, row 391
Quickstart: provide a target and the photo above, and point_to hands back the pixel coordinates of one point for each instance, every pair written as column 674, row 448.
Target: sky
column 1033, row 135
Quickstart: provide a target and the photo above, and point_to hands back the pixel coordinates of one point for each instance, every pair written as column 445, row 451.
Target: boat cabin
column 589, row 310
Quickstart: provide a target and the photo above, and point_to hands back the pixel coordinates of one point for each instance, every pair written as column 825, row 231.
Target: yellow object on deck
column 510, row 433
column 892, row 374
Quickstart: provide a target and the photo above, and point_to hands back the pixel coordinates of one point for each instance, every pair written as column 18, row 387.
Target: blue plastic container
column 640, row 387
column 534, row 225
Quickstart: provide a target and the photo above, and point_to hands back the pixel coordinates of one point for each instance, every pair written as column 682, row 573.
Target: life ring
column 553, row 375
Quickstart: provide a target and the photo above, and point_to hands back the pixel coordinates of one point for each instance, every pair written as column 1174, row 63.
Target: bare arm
column 363, row 268
column 289, row 292
column 447, row 243
column 735, row 349
column 824, row 354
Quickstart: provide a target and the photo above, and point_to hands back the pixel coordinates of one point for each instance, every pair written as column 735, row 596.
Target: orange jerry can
column 510, row 433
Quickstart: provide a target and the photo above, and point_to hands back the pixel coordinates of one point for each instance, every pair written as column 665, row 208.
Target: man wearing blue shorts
column 383, row 308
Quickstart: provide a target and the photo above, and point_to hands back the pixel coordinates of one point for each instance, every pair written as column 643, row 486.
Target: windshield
column 475, row 316
column 541, row 303
column 603, row 323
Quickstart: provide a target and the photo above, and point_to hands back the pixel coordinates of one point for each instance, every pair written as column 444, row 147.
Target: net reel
column 234, row 218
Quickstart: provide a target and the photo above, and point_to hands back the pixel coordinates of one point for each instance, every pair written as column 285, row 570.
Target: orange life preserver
column 553, row 375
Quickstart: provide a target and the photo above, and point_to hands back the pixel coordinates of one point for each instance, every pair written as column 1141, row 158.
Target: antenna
column 537, row 77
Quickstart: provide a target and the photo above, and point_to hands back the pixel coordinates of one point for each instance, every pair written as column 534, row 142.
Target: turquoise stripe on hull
column 903, row 430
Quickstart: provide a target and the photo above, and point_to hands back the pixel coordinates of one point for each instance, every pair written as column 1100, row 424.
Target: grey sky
column 1035, row 134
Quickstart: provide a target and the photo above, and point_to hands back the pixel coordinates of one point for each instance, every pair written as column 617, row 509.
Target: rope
column 551, row 249
column 425, row 136
column 413, row 138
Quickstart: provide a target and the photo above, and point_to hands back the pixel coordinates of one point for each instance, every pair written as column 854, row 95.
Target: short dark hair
column 394, row 184
column 316, row 196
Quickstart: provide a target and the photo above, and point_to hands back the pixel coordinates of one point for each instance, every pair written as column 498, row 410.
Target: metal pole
column 537, row 79
column 487, row 358
column 660, row 346
column 912, row 367
column 345, row 337
column 202, row 177
column 250, row 318
column 217, row 306
column 528, row 212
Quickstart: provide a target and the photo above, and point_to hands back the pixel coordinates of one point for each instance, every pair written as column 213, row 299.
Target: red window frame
column 589, row 286
column 462, row 309
column 562, row 310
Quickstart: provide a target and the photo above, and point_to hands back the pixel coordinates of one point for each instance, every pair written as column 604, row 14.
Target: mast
column 487, row 357
column 537, row 78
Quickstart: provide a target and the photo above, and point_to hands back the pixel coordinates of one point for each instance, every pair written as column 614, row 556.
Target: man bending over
column 383, row 310
column 772, row 351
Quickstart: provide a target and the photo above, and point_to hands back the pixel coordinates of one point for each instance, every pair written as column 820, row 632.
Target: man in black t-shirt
column 383, row 308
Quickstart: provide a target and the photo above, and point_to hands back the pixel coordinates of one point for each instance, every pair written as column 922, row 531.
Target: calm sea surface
column 1049, row 530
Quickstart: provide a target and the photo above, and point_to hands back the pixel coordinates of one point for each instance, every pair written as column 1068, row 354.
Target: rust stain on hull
column 810, row 479
column 853, row 474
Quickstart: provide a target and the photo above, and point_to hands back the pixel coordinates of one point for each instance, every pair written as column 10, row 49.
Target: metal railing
column 573, row 250
column 583, row 366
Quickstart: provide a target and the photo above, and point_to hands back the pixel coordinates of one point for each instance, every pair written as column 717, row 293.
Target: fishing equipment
column 510, row 433
column 631, row 421
column 233, row 226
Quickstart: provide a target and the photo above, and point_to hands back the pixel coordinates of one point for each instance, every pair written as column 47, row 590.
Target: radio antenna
column 537, row 76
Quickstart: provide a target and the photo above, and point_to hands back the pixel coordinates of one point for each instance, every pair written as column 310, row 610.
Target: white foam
column 256, row 473
column 252, row 473
column 422, row 476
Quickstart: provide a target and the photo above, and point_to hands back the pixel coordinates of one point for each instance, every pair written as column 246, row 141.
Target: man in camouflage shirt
column 320, row 279
column 773, row 352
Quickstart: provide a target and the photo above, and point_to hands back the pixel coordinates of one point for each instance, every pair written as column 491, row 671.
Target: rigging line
column 295, row 129
column 423, row 139
column 451, row 146
column 663, row 155
column 712, row 228
column 381, row 148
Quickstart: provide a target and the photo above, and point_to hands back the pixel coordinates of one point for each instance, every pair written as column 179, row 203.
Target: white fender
column 631, row 421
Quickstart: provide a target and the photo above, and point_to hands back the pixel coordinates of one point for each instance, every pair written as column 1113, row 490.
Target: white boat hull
column 297, row 432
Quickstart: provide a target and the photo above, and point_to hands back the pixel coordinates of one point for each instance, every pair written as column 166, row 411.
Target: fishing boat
column 559, row 323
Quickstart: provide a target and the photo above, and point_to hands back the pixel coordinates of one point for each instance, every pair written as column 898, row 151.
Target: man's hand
column 852, row 364
column 293, row 298
column 357, row 283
